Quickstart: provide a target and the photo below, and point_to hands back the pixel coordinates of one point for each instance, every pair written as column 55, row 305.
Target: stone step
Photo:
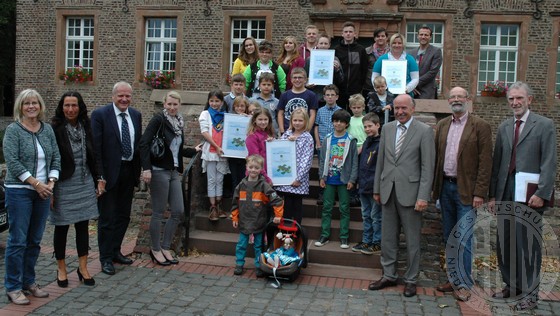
column 331, row 253
column 312, row 227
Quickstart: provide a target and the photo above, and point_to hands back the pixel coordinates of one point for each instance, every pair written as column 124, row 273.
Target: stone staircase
column 220, row 237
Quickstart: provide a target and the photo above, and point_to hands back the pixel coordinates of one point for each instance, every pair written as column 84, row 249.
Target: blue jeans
column 27, row 215
column 371, row 216
column 452, row 210
column 241, row 248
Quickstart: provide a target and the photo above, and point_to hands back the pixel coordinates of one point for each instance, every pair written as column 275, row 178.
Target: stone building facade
column 518, row 39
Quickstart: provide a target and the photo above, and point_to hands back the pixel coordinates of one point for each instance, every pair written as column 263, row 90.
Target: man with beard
column 462, row 177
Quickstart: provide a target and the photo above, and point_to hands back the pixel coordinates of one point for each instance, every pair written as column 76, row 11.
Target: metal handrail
column 187, row 178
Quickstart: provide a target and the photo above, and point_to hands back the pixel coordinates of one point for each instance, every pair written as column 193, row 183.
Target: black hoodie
column 354, row 61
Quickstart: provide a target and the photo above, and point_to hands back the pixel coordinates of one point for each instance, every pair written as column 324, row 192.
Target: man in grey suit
column 524, row 143
column 429, row 60
column 403, row 184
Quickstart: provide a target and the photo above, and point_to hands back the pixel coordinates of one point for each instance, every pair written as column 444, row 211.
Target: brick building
column 122, row 39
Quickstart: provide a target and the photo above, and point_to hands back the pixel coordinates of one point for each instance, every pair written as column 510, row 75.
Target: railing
column 187, row 194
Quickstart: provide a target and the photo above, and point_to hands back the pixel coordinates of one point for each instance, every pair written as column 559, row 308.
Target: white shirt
column 130, row 128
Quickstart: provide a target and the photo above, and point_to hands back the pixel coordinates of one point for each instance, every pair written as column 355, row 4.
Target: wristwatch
column 52, row 179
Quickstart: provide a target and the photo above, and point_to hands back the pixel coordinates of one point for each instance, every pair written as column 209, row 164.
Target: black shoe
column 238, row 270
column 170, row 259
column 88, row 282
column 409, row 290
column 119, row 258
column 154, row 259
column 61, row 283
column 322, row 241
column 381, row 284
column 108, row 268
column 359, row 246
column 259, row 273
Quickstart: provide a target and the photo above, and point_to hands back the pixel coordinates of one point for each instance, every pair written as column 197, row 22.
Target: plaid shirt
column 324, row 120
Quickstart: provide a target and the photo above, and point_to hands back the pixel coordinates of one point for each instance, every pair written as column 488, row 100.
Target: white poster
column 321, row 67
column 235, row 132
column 394, row 72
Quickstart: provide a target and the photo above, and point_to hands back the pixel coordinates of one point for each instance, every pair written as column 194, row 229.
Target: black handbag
column 157, row 147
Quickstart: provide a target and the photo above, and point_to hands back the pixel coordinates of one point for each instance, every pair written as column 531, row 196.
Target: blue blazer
column 107, row 142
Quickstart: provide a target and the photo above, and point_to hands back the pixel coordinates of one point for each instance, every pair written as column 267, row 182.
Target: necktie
column 125, row 137
column 420, row 58
column 513, row 151
column 400, row 141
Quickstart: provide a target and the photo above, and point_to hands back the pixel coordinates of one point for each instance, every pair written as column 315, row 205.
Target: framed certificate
column 321, row 67
column 394, row 72
column 281, row 161
column 235, row 132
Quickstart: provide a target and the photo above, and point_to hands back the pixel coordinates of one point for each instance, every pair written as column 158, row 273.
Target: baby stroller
column 286, row 250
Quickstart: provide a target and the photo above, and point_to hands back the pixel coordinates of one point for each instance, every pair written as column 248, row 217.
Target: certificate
column 522, row 181
column 281, row 161
column 235, row 132
column 394, row 72
column 321, row 67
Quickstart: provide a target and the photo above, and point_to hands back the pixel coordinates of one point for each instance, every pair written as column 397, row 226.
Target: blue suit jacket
column 107, row 141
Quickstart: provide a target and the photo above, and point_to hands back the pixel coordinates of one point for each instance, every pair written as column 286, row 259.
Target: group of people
column 89, row 168
column 76, row 169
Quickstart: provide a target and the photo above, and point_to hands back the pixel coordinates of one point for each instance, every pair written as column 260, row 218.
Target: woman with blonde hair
column 398, row 52
column 289, row 58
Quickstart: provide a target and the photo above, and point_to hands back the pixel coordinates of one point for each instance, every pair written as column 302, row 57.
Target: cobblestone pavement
column 208, row 287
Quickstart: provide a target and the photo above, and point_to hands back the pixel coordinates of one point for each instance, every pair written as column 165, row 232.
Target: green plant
column 78, row 74
column 160, row 79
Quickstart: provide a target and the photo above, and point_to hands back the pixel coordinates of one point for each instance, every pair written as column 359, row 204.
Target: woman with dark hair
column 248, row 54
column 81, row 182
column 33, row 166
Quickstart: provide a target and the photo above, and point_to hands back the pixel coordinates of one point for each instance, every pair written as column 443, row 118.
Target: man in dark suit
column 403, row 184
column 524, row 143
column 116, row 131
column 429, row 60
column 462, row 177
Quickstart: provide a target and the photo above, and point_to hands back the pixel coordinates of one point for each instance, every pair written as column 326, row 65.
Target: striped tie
column 400, row 140
column 125, row 138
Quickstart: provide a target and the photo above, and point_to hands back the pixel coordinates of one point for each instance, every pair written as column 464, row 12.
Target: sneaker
column 259, row 273
column 367, row 249
column 376, row 248
column 238, row 270
column 344, row 243
column 322, row 241
column 359, row 247
column 18, row 298
column 36, row 291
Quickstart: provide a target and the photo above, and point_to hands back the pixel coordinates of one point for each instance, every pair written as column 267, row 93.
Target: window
column 437, row 40
column 240, row 30
column 79, row 43
column 161, row 44
column 498, row 53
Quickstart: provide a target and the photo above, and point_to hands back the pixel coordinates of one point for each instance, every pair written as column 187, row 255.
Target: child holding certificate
column 259, row 132
column 293, row 194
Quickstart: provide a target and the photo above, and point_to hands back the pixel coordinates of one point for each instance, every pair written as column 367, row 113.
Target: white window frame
column 166, row 53
column 438, row 33
column 501, row 51
column 256, row 28
column 84, row 41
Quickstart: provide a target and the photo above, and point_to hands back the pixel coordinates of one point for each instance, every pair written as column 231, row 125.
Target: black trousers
column 519, row 243
column 82, row 239
column 293, row 206
column 114, row 213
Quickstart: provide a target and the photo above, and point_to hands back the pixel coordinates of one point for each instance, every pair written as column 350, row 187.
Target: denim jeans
column 371, row 216
column 241, row 248
column 165, row 188
column 27, row 215
column 452, row 210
